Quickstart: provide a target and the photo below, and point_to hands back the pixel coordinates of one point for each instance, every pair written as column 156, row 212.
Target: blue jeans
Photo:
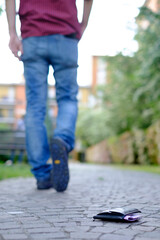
column 39, row 53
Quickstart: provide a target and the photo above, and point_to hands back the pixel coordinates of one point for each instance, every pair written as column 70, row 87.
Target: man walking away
column 50, row 32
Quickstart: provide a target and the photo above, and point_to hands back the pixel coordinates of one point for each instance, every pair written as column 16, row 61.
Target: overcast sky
column 111, row 29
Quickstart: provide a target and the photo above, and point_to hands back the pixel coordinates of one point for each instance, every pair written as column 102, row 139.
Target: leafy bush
column 91, row 126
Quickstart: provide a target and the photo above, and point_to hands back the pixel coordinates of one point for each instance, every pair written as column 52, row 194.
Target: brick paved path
column 26, row 213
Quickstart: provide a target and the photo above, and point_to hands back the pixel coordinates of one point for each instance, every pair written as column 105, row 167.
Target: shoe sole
column 60, row 173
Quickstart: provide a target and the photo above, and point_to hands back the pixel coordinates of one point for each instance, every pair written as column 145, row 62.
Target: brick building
column 13, row 103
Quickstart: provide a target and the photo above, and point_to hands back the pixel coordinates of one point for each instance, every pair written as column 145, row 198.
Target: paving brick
column 65, row 224
column 35, row 225
column 43, row 230
column 6, row 219
column 86, row 235
column 115, row 237
column 9, row 226
column 143, row 228
column 14, row 236
column 143, row 238
column 91, row 223
column 103, row 229
column 54, row 220
column 153, row 224
column 11, row 231
column 49, row 236
column 27, row 219
column 77, row 229
column 1, row 238
column 150, row 235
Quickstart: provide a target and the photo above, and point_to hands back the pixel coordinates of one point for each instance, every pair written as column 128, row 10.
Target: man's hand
column 15, row 45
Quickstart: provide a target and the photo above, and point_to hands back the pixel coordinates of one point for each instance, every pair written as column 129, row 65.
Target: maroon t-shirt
column 47, row 17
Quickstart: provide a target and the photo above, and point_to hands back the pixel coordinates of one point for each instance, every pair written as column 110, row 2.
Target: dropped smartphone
column 119, row 214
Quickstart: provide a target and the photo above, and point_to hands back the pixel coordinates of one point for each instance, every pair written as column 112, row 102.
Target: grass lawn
column 144, row 168
column 15, row 170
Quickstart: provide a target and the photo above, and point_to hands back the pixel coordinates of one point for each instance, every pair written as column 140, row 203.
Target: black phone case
column 113, row 215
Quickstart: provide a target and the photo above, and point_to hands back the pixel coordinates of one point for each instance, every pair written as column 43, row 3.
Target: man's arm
column 86, row 12
column 14, row 43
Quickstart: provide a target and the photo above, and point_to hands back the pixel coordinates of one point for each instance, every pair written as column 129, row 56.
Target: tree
column 149, row 57
column 118, row 94
column 133, row 94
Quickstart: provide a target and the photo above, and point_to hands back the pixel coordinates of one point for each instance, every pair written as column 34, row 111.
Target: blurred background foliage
column 1, row 9
column 131, row 99
column 127, row 107
column 91, row 126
